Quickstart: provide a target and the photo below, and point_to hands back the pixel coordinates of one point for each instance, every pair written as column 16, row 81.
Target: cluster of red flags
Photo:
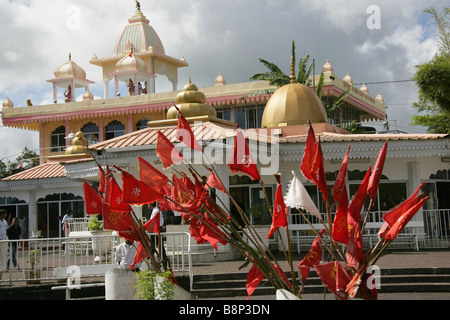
column 349, row 281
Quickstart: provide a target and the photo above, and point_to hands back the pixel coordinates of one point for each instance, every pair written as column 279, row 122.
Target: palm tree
column 277, row 78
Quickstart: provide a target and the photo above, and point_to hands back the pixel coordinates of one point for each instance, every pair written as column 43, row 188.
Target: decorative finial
column 138, row 6
column 70, row 56
column 189, row 79
column 292, row 70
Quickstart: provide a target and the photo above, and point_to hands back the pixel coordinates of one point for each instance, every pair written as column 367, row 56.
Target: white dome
column 131, row 63
column 348, row 79
column 69, row 69
column 8, row 103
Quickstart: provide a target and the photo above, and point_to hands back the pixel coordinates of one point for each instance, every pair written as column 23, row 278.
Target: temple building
column 118, row 129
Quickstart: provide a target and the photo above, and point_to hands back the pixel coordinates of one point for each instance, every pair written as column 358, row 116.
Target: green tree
column 277, row 77
column 433, row 80
column 26, row 160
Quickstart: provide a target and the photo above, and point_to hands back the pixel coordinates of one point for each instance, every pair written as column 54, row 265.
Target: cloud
column 216, row 37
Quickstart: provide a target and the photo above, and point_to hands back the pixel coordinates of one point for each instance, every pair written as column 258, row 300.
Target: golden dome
column 79, row 144
column 293, row 104
column 70, row 69
column 191, row 103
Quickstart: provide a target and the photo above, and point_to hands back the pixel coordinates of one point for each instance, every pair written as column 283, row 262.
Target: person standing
column 14, row 232
column 125, row 253
column 65, row 222
column 3, row 236
column 65, row 226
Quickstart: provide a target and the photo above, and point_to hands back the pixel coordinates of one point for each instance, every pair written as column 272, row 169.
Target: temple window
column 90, row 130
column 58, row 142
column 114, row 129
column 142, row 124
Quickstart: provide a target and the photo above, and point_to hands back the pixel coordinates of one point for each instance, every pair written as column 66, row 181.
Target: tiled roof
column 336, row 137
column 46, row 170
column 203, row 131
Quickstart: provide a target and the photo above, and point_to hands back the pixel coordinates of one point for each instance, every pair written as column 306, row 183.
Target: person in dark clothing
column 13, row 232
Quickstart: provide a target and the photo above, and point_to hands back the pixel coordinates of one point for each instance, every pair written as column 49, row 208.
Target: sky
column 373, row 40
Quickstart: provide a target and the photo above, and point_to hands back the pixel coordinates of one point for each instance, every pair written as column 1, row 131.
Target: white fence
column 37, row 258
column 436, row 226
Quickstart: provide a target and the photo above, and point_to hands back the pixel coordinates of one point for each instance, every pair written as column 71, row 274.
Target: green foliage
column 33, row 258
column 150, row 287
column 26, row 160
column 277, row 77
column 433, row 80
column 353, row 127
column 94, row 223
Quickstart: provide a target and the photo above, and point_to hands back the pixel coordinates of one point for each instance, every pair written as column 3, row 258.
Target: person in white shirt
column 125, row 253
column 3, row 236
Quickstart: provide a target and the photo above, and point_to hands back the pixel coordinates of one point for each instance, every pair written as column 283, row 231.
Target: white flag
column 298, row 197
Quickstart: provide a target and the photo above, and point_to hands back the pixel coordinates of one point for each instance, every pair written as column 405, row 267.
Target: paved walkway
column 390, row 259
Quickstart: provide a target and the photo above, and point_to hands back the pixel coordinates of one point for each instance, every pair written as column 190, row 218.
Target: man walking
column 14, row 232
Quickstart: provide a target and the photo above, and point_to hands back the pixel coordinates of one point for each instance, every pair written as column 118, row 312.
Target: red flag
column 167, row 152
column 334, row 277
column 341, row 179
column 242, row 160
column 357, row 286
column 153, row 225
column 392, row 216
column 306, row 166
column 122, row 223
column 184, row 195
column 319, row 171
column 184, row 134
column 137, row 192
column 93, row 202
column 101, row 180
column 403, row 220
column 340, row 225
column 140, row 255
column 113, row 196
column 313, row 257
column 151, row 176
column 206, row 232
column 354, row 252
column 254, row 278
column 280, row 212
column 214, row 182
column 375, row 177
column 357, row 202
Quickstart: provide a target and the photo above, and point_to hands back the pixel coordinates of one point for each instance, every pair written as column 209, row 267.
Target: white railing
column 81, row 250
column 436, row 225
column 77, row 224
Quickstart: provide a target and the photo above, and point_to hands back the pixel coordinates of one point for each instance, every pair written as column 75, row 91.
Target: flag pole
column 366, row 217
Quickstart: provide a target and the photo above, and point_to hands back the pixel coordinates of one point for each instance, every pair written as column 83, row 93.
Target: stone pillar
column 119, row 284
column 106, row 88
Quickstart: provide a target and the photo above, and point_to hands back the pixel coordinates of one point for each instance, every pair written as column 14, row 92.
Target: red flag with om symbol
column 242, row 160
column 313, row 257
